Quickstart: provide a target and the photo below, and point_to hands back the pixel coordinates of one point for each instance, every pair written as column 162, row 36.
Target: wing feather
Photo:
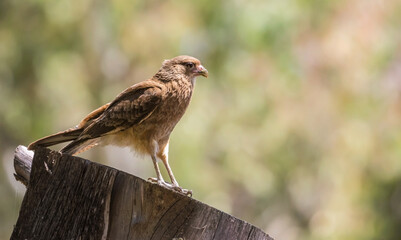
column 131, row 107
column 125, row 112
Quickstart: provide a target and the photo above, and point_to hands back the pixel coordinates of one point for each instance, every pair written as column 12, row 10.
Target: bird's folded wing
column 92, row 116
column 131, row 107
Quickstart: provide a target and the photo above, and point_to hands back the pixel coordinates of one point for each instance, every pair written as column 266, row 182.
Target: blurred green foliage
column 297, row 130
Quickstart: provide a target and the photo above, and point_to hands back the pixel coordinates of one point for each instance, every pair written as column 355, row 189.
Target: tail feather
column 65, row 136
column 79, row 146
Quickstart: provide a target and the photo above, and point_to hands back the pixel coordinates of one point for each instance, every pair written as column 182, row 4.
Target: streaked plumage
column 142, row 117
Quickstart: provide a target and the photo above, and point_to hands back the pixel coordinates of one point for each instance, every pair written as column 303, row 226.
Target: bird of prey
column 141, row 117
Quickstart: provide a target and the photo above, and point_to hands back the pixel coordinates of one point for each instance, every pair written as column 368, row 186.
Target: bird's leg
column 162, row 154
column 170, row 172
column 174, row 183
column 159, row 178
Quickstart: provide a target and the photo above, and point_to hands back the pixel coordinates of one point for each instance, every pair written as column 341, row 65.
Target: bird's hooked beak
column 201, row 70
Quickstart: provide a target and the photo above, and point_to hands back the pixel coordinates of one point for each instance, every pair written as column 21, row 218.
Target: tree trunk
column 72, row 198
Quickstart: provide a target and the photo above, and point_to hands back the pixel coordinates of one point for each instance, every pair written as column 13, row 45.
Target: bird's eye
column 189, row 65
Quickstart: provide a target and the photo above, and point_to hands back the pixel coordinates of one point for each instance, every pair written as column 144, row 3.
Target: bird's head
column 182, row 66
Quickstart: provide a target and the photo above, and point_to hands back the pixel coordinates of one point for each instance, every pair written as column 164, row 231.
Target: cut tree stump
column 73, row 198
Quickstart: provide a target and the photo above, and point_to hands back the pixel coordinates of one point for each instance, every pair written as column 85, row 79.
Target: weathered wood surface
column 72, row 198
column 22, row 164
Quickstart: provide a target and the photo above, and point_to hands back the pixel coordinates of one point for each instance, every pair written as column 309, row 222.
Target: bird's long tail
column 79, row 145
column 65, row 136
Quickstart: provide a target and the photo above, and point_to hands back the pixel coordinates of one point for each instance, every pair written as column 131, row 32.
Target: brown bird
column 142, row 117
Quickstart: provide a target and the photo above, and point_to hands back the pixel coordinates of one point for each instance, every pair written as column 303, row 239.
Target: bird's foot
column 155, row 180
column 171, row 186
column 181, row 190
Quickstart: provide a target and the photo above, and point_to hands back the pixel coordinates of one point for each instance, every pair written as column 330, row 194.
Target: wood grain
column 72, row 198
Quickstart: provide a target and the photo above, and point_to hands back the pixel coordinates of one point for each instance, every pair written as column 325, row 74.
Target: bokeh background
column 297, row 130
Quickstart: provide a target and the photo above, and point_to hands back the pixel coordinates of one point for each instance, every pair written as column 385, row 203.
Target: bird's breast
column 162, row 121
